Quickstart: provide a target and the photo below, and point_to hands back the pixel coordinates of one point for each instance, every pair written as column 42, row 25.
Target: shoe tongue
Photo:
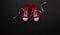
column 35, row 13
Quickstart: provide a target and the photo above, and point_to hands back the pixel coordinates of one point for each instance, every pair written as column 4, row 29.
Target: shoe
column 35, row 13
column 25, row 12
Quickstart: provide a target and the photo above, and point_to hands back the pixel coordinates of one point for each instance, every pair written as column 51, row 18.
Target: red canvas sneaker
column 35, row 13
column 25, row 12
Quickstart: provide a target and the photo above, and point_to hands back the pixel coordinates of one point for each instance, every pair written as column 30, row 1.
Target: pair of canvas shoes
column 35, row 12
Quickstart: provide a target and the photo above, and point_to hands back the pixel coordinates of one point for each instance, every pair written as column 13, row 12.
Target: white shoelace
column 18, row 13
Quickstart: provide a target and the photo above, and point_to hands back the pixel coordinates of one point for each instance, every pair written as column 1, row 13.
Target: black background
column 49, row 23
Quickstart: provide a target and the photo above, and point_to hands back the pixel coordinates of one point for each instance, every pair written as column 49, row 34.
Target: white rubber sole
column 25, row 19
column 36, row 19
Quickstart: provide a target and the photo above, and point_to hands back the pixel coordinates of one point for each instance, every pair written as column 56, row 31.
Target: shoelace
column 18, row 13
column 42, row 7
column 25, row 13
column 35, row 14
